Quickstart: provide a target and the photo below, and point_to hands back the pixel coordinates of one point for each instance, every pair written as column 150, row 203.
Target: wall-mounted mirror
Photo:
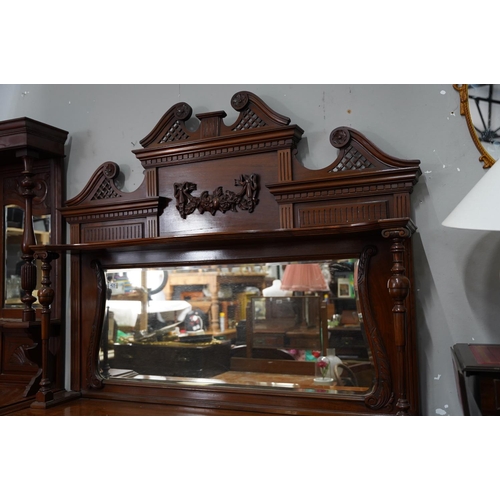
column 480, row 105
column 293, row 325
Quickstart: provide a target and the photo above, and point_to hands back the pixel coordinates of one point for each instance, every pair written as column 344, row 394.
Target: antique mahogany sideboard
column 237, row 195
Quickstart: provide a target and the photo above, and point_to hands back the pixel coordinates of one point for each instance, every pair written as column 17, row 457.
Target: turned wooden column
column 28, row 270
column 399, row 287
column 45, row 297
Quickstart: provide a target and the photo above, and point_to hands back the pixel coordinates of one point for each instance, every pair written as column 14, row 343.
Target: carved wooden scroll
column 381, row 396
column 97, row 326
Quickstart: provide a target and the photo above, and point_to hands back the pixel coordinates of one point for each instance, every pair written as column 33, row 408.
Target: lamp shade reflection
column 304, row 278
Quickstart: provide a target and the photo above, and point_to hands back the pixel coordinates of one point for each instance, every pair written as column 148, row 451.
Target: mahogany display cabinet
column 174, row 270
column 31, row 192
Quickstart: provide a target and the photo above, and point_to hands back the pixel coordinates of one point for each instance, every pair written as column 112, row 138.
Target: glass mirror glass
column 293, row 326
column 14, row 228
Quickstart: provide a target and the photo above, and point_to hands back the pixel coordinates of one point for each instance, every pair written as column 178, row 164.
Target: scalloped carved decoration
column 172, row 128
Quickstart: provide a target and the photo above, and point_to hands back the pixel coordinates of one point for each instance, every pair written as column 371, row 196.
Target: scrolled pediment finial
column 340, row 137
column 183, row 111
column 239, row 100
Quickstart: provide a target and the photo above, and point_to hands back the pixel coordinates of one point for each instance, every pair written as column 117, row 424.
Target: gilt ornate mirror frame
column 463, row 90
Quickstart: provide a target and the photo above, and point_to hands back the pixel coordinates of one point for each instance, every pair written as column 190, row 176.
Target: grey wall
column 457, row 271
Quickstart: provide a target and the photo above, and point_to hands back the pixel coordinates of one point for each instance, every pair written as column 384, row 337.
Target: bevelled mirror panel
column 295, row 326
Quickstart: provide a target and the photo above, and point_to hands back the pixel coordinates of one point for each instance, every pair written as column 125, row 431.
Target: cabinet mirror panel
column 14, row 228
column 295, row 326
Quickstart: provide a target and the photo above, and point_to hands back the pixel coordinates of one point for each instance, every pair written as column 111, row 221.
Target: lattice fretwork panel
column 105, row 191
column 352, row 160
column 249, row 120
column 175, row 133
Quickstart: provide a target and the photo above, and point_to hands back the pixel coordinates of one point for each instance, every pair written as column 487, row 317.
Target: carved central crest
column 219, row 200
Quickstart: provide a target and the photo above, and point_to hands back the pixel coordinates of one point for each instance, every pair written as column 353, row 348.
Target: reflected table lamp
column 304, row 277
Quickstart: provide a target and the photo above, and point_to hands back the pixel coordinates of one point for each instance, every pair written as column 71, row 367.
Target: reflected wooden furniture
column 349, row 342
column 279, row 323
column 31, row 335
column 214, row 281
column 477, row 369
column 174, row 359
column 234, row 194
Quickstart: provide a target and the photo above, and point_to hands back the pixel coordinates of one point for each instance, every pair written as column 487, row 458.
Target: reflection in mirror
column 14, row 227
column 294, row 326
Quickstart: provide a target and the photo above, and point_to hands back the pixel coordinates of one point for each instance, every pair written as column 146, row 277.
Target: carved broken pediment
column 101, row 185
column 101, row 200
column 254, row 114
column 356, row 152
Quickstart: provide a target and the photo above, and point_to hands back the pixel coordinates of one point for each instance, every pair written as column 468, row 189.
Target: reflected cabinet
column 31, row 187
column 237, row 280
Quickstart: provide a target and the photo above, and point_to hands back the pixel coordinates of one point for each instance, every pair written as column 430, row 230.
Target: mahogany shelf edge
column 208, row 238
